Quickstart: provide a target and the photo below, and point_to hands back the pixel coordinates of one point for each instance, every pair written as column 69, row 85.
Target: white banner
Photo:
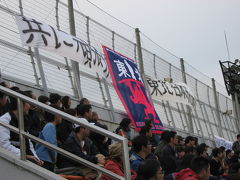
column 222, row 142
column 178, row 92
column 43, row 36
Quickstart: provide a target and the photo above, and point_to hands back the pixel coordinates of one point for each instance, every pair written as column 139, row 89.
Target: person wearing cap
column 115, row 163
column 79, row 144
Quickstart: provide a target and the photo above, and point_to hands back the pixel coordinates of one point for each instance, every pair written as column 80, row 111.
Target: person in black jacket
column 168, row 156
column 79, row 144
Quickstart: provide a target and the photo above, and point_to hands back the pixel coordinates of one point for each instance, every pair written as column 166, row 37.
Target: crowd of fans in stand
column 152, row 157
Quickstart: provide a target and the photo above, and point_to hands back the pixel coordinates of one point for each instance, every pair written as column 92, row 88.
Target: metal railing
column 22, row 135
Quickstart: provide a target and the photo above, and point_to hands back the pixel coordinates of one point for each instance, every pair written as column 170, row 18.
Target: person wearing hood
column 199, row 170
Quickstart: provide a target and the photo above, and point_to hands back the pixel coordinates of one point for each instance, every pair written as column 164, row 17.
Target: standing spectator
column 236, row 144
column 216, row 166
column 44, row 100
column 234, row 173
column 66, row 102
column 55, row 99
column 150, row 170
column 85, row 112
column 199, row 170
column 115, row 163
column 95, row 117
column 10, row 140
column 141, row 149
column 125, row 129
column 168, row 156
column 49, row 134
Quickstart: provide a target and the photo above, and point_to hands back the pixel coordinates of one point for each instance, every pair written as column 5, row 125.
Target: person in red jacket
column 199, row 170
column 115, row 163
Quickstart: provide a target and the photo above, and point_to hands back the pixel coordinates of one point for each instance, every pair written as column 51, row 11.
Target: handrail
column 72, row 119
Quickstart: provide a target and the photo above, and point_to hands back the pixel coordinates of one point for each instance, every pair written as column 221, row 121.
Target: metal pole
column 109, row 100
column 154, row 65
column 237, row 109
column 217, row 107
column 140, row 60
column 30, row 51
column 189, row 109
column 21, row 129
column 39, row 63
column 88, row 31
column 126, row 164
column 74, row 64
column 113, row 40
column 68, row 68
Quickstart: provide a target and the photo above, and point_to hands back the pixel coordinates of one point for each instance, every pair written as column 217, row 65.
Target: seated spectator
column 187, row 158
column 79, row 144
column 180, row 154
column 216, row 166
column 95, row 117
column 84, row 101
column 55, row 99
column 147, row 131
column 10, row 140
column 84, row 112
column 150, row 170
column 181, row 141
column 66, row 127
column 100, row 141
column 201, row 151
column 206, row 149
column 44, row 100
column 190, row 141
column 168, row 158
column 162, row 144
column 48, row 134
column 141, row 149
column 236, row 144
column 125, row 129
column 115, row 163
column 3, row 102
column 236, row 157
column 229, row 155
column 33, row 117
column 199, row 170
column 234, row 173
column 40, row 112
column 66, row 102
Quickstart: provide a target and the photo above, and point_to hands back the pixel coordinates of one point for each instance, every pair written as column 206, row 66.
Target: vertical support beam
column 113, row 40
column 171, row 115
column 125, row 158
column 68, row 68
column 109, row 99
column 21, row 129
column 88, row 31
column 237, row 110
column 217, row 107
column 74, row 64
column 170, row 70
column 189, row 110
column 42, row 75
column 154, row 66
column 30, row 51
column 140, row 60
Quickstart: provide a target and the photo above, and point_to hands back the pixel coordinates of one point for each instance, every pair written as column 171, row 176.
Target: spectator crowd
column 166, row 156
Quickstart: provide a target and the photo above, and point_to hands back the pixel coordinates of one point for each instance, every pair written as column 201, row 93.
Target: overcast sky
column 191, row 29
